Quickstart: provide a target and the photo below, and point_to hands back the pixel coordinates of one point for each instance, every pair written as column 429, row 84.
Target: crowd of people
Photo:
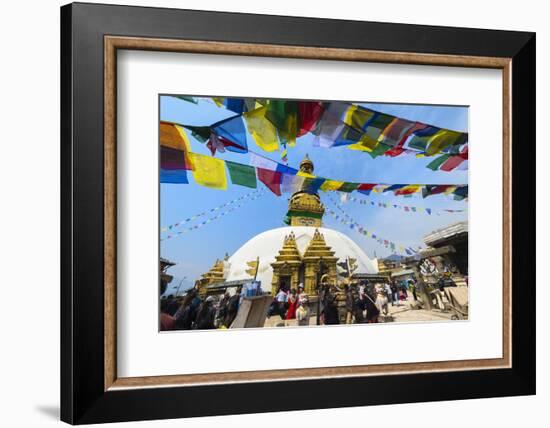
column 355, row 303
column 191, row 312
column 364, row 302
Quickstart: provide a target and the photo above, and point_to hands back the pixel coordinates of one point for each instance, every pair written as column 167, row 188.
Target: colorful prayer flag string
column 333, row 124
column 216, row 217
column 217, row 208
column 405, row 208
column 347, row 220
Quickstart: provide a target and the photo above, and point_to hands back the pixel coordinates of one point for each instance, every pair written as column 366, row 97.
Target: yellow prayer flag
column 305, row 174
column 262, row 130
column 209, row 171
column 331, row 185
column 174, row 136
column 441, row 140
column 449, row 190
column 365, row 144
column 219, row 101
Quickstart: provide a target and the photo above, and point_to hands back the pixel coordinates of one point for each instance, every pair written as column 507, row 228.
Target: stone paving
column 402, row 313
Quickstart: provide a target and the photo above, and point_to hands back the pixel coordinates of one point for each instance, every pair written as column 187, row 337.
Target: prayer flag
column 433, row 190
column 291, row 183
column 365, row 188
column 285, row 169
column 395, row 131
column 262, row 162
column 399, row 148
column 284, row 116
column 379, row 149
column 408, row 190
column 358, row 117
column 377, row 124
column 188, row 99
column 262, row 130
column 454, row 161
column 437, row 162
column 461, row 192
column 242, row 175
column 272, row 179
column 394, row 187
column 309, row 113
column 174, row 136
column 215, row 143
column 329, row 185
column 420, row 138
column 172, row 159
column 331, row 125
column 201, row 133
column 443, row 139
column 348, row 187
column 209, row 171
column 235, row 104
column 173, row 176
column 234, row 132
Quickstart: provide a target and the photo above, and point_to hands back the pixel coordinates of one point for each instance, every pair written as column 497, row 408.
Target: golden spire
column 305, row 207
column 307, row 165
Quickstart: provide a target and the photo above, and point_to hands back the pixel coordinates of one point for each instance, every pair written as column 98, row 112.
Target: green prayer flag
column 437, row 162
column 188, row 99
column 242, row 175
column 284, row 116
column 348, row 187
column 380, row 149
column 201, row 133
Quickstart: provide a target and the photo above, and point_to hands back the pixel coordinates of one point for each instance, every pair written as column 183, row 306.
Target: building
column 300, row 253
column 451, row 245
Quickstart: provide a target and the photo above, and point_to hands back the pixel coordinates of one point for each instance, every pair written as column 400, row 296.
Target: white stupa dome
column 267, row 244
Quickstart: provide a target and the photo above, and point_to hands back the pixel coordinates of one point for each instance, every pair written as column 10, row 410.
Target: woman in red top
column 292, row 305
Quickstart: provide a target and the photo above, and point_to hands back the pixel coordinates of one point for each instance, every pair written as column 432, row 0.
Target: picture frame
column 91, row 35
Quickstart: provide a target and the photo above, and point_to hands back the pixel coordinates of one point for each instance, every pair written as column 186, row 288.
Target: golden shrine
column 214, row 275
column 292, row 268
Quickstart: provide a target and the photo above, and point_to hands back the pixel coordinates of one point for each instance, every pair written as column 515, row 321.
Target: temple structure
column 216, row 274
column 301, row 253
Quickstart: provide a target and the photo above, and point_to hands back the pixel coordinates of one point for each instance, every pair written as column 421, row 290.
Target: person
column 394, row 293
column 222, row 308
column 173, row 306
column 372, row 311
column 186, row 314
column 292, row 305
column 231, row 309
column 167, row 322
column 412, row 287
column 282, row 299
column 330, row 311
column 381, row 298
column 301, row 294
column 302, row 313
column 206, row 315
column 388, row 291
column 350, row 304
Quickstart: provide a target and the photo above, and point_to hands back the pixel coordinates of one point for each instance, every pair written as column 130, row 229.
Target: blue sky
column 196, row 251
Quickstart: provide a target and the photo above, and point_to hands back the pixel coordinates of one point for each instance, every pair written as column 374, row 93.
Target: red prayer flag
column 173, row 159
column 398, row 149
column 455, row 161
column 309, row 113
column 272, row 179
column 366, row 186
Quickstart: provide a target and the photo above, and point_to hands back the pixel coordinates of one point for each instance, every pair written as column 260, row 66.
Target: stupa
column 302, row 252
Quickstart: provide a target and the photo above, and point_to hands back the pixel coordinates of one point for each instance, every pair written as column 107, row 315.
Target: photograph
column 304, row 213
